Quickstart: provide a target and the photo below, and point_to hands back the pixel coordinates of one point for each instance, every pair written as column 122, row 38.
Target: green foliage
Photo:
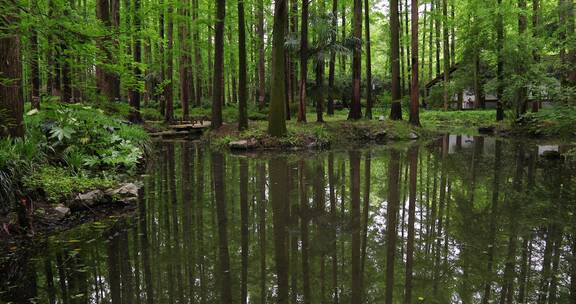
column 80, row 140
column 60, row 183
column 557, row 122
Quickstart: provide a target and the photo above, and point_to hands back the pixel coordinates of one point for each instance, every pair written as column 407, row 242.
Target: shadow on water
column 460, row 220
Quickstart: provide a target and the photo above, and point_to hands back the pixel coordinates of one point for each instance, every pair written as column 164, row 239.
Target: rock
column 244, row 144
column 88, row 199
column 61, row 211
column 381, row 118
column 413, row 136
column 126, row 193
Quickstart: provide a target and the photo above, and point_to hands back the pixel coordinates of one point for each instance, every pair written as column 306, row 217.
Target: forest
column 288, row 151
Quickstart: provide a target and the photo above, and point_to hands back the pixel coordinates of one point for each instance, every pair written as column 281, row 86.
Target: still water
column 458, row 220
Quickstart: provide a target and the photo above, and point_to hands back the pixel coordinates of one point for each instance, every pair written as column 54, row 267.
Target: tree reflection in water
column 461, row 220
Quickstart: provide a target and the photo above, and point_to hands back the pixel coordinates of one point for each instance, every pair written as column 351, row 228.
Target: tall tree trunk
column 303, row 62
column 197, row 54
column 135, row 97
column 332, row 68
column 500, row 59
column 277, row 112
column 261, row 56
column 186, row 81
column 319, row 91
column 415, row 93
column 396, row 107
column 522, row 97
column 355, row 107
column 169, row 89
column 242, row 97
column 446, row 54
column 218, row 81
column 406, row 42
column 369, row 101
column 535, row 34
column 11, row 94
column 35, row 66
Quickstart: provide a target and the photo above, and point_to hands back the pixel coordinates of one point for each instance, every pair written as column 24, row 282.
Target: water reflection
column 462, row 220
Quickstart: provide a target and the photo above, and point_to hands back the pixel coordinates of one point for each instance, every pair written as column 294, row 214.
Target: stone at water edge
column 381, row 118
column 127, row 192
column 244, row 144
column 413, row 136
column 89, row 198
column 61, row 211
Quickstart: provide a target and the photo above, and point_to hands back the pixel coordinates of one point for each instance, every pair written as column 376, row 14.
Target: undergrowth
column 68, row 148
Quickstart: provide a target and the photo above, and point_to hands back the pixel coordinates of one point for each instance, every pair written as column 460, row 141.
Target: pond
column 474, row 219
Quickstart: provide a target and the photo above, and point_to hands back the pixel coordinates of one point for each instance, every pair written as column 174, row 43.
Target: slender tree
column 218, row 81
column 332, row 67
column 277, row 115
column 261, row 56
column 11, row 94
column 169, row 89
column 135, row 96
column 242, row 93
column 355, row 107
column 396, row 107
column 446, row 50
column 414, row 93
column 303, row 61
column 369, row 101
column 500, row 59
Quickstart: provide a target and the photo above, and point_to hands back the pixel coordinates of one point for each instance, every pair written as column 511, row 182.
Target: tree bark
column 135, row 96
column 446, row 54
column 355, row 106
column 303, row 62
column 277, row 112
column 332, row 68
column 169, row 89
column 11, row 94
column 369, row 102
column 261, row 56
column 218, row 81
column 242, row 97
column 415, row 92
column 396, row 107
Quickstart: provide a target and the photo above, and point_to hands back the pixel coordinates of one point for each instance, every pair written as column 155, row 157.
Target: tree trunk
column 186, row 81
column 500, row 69
column 135, row 116
column 446, row 54
column 169, row 89
column 277, row 112
column 355, row 107
column 369, row 101
column 396, row 107
column 11, row 94
column 332, row 72
column 261, row 56
column 414, row 94
column 242, row 97
column 197, row 55
column 303, row 62
column 218, row 81
column 34, row 67
column 320, row 91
